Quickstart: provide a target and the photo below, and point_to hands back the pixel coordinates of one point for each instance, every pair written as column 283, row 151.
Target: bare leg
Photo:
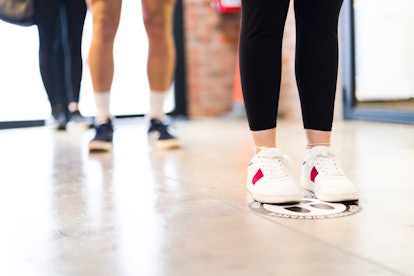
column 106, row 15
column 264, row 138
column 317, row 138
column 158, row 21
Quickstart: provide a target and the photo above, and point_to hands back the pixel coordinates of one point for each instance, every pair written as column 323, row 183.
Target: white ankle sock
column 157, row 99
column 102, row 101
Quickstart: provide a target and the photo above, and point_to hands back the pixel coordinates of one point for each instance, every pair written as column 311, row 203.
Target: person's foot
column 77, row 118
column 58, row 118
column 103, row 138
column 268, row 179
column 160, row 136
column 323, row 175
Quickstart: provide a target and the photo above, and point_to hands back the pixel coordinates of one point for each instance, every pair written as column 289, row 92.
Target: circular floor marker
column 308, row 208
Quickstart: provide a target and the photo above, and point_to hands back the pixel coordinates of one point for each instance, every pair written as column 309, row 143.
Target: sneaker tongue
column 274, row 153
column 270, row 152
column 320, row 150
column 326, row 160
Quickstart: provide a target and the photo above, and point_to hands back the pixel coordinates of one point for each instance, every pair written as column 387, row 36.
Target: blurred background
column 375, row 79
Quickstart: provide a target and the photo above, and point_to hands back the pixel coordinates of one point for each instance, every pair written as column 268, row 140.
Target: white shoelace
column 273, row 162
column 328, row 164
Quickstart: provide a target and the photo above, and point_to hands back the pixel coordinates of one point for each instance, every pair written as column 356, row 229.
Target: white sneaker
column 322, row 174
column 268, row 179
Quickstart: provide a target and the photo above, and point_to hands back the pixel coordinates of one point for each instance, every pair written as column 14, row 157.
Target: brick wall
column 211, row 46
column 211, row 49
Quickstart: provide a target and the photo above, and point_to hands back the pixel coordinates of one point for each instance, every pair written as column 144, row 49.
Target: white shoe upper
column 323, row 175
column 268, row 179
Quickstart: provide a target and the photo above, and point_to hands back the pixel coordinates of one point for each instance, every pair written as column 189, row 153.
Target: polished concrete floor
column 139, row 211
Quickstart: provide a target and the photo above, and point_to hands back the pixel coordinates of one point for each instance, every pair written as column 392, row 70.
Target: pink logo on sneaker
column 313, row 174
column 257, row 176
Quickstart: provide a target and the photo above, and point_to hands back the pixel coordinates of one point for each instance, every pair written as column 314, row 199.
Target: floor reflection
column 137, row 211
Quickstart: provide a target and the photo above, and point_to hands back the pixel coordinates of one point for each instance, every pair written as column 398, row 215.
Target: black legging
column 316, row 59
column 60, row 24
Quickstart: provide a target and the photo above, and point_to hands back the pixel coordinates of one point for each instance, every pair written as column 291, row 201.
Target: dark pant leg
column 317, row 60
column 73, row 23
column 261, row 36
column 50, row 49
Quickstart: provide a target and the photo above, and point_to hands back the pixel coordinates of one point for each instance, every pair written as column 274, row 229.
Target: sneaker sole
column 166, row 145
column 310, row 186
column 275, row 199
column 99, row 146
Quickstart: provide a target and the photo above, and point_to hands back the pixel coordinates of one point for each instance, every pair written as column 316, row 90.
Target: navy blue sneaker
column 103, row 138
column 160, row 136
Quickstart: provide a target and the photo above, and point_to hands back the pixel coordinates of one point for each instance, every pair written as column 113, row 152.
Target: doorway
column 378, row 57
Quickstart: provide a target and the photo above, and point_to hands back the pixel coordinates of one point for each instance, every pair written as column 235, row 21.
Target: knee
column 157, row 27
column 48, row 47
column 158, row 23
column 105, row 26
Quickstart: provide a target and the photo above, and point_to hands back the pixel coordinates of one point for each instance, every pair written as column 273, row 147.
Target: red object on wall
column 226, row 6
